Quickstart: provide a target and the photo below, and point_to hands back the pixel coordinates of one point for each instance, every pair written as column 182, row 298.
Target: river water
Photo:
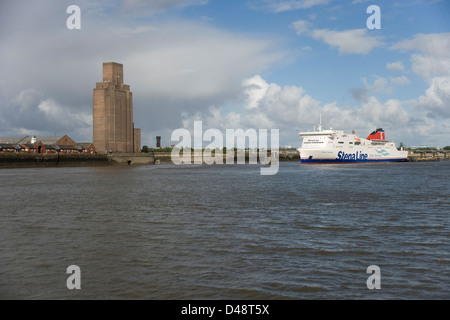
column 226, row 232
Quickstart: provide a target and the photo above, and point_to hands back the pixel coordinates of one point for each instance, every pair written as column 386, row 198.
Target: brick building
column 62, row 144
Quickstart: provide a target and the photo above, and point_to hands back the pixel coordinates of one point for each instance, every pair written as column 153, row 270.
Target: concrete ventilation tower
column 113, row 113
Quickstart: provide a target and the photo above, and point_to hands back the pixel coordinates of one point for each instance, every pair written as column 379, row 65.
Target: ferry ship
column 334, row 146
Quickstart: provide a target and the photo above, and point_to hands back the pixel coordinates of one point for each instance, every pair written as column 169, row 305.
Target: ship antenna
column 320, row 123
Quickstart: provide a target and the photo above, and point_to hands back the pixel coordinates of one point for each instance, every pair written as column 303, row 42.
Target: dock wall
column 428, row 155
column 21, row 160
column 165, row 157
column 131, row 158
column 13, row 160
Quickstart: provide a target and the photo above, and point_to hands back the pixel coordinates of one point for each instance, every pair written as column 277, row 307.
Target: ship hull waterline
column 338, row 161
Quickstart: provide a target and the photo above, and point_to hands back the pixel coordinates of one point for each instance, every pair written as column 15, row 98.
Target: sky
column 234, row 64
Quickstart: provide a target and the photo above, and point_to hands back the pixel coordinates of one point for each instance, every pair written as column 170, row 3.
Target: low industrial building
column 60, row 144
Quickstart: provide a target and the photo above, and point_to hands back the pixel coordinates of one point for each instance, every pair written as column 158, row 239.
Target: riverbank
column 283, row 155
column 21, row 160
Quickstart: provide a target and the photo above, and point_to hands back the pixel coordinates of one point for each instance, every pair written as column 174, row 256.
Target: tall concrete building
column 113, row 113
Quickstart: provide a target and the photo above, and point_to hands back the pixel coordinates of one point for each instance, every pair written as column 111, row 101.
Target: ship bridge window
column 357, row 143
column 341, row 142
column 350, row 142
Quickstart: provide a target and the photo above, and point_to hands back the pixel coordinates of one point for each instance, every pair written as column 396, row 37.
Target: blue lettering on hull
column 307, row 161
column 358, row 156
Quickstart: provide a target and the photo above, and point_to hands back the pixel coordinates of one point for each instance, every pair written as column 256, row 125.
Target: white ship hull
column 333, row 146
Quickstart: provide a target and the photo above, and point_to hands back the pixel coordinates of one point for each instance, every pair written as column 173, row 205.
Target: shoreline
column 27, row 160
column 32, row 160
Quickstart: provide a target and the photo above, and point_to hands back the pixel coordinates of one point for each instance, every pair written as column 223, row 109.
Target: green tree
column 145, row 149
column 447, row 148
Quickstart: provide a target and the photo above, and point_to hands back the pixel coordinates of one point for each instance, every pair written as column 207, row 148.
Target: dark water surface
column 225, row 232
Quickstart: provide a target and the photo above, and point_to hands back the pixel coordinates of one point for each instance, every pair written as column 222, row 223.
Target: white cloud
column 437, row 98
column 147, row 8
column 191, row 61
column 26, row 100
column 357, row 41
column 389, row 114
column 431, row 61
column 429, row 67
column 395, row 66
column 433, row 44
column 265, row 106
column 63, row 116
column 270, row 106
column 282, row 105
column 400, row 81
column 301, row 26
column 277, row 6
column 255, row 89
column 379, row 85
column 434, row 57
column 32, row 113
column 130, row 32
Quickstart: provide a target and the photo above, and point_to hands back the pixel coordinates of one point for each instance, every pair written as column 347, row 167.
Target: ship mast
column 320, row 123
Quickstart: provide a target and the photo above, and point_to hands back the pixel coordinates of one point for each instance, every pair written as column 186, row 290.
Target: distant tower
column 137, row 140
column 158, row 142
column 113, row 113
